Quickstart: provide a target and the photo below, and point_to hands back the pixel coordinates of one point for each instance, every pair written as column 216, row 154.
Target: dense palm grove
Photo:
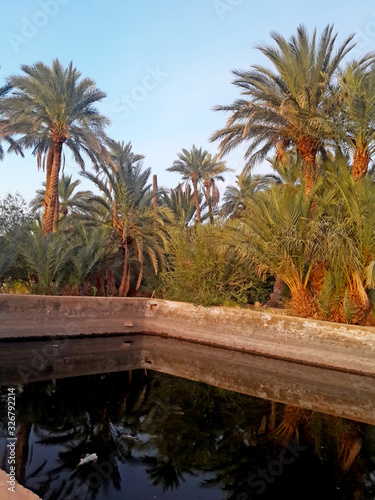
column 304, row 235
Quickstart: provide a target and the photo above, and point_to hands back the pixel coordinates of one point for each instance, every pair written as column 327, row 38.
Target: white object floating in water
column 129, row 437
column 88, row 458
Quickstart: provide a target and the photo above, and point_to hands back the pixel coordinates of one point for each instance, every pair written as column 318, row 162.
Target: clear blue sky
column 163, row 64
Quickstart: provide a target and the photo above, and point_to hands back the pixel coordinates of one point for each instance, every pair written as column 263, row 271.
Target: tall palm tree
column 51, row 106
column 127, row 198
column 212, row 173
column 191, row 165
column 357, row 92
column 288, row 106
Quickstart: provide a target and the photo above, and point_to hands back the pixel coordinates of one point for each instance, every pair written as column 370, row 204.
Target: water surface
column 163, row 437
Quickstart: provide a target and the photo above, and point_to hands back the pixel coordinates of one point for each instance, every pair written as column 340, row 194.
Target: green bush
column 200, row 270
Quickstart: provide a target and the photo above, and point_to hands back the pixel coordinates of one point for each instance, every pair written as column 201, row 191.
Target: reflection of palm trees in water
column 175, row 427
column 328, row 460
column 22, row 448
column 77, row 415
column 317, row 427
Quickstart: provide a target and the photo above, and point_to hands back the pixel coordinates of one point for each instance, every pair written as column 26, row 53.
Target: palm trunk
column 277, row 293
column 125, row 279
column 99, row 283
column 56, row 213
column 361, row 160
column 155, row 199
column 209, row 198
column 272, row 424
column 196, row 199
column 22, row 449
column 111, row 283
column 293, row 418
column 351, row 445
column 52, row 194
column 48, row 177
column 303, row 303
column 316, row 279
column 307, row 148
column 179, row 193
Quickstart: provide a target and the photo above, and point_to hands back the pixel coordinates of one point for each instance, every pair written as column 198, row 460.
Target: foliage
column 126, row 203
column 278, row 236
column 290, row 106
column 92, row 253
column 311, row 225
column 7, row 257
column 235, row 197
column 199, row 272
column 16, row 286
column 346, row 214
column 357, row 99
column 47, row 260
column 47, row 108
column 13, row 214
column 70, row 200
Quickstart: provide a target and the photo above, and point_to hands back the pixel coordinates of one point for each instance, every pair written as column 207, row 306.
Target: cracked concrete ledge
column 348, row 348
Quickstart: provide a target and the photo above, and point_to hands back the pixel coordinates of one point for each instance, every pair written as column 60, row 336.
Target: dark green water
column 162, row 437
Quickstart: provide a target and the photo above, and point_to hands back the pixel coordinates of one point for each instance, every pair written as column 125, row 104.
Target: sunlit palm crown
column 290, row 105
column 53, row 103
column 190, row 164
column 357, row 84
column 122, row 178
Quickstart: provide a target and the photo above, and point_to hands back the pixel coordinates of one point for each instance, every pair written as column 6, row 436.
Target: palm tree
column 127, row 198
column 4, row 90
column 51, row 106
column 46, row 259
column 278, row 235
column 236, row 197
column 212, row 173
column 357, row 92
column 289, row 106
column 181, row 203
column 69, row 200
column 347, row 245
column 191, row 165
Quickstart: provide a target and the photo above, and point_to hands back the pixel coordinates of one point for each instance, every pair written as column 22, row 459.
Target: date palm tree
column 181, row 203
column 289, row 106
column 126, row 196
column 235, row 197
column 347, row 245
column 278, row 236
column 191, row 165
column 70, row 200
column 357, row 91
column 212, row 173
column 50, row 107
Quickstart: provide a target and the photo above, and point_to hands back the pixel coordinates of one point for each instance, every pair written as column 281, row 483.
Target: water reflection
column 158, row 436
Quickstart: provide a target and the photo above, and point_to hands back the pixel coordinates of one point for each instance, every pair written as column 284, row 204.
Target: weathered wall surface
column 344, row 347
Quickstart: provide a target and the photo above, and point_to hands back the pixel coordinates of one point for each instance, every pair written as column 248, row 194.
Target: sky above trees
column 163, row 64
